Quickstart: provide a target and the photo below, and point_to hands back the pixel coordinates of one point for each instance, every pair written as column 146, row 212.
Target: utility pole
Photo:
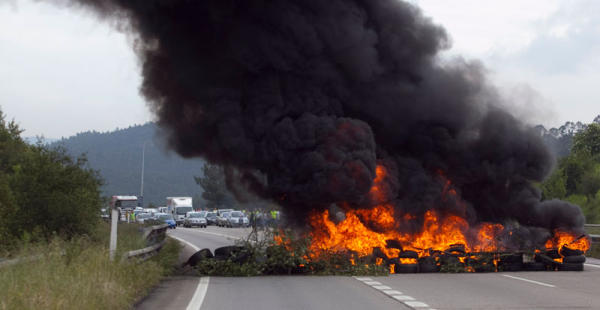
column 141, row 200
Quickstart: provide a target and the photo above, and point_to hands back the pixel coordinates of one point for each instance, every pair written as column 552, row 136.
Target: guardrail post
column 113, row 233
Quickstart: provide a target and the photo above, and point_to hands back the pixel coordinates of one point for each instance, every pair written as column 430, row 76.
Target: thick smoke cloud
column 314, row 94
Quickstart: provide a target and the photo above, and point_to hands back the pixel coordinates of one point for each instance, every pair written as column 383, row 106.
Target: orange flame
column 438, row 232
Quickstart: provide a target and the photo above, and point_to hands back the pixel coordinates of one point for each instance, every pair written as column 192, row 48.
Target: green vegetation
column 289, row 256
column 43, row 192
column 577, row 177
column 117, row 156
column 77, row 274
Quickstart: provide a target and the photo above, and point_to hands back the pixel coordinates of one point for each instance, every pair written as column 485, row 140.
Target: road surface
column 507, row 290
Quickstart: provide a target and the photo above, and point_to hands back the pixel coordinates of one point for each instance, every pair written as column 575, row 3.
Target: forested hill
column 117, row 155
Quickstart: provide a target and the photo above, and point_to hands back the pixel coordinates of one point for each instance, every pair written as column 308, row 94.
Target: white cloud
column 64, row 72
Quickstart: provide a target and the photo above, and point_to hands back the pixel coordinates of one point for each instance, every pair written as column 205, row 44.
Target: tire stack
column 511, row 262
column 406, row 268
column 572, row 259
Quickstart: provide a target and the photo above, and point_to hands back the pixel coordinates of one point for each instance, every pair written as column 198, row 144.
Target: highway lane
column 518, row 290
column 278, row 292
column 506, row 290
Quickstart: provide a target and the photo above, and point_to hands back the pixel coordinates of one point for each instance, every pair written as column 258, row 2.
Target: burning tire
column 511, row 267
column 409, row 254
column 406, row 268
column 579, row 259
column 570, row 267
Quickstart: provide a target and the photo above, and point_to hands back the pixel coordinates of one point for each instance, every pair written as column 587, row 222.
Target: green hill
column 117, row 155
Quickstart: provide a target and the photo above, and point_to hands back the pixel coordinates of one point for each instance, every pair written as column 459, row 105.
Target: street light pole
column 142, row 178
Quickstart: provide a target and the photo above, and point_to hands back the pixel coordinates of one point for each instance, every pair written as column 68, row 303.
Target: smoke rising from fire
column 315, row 94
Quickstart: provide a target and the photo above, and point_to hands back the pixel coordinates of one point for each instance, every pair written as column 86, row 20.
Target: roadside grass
column 77, row 274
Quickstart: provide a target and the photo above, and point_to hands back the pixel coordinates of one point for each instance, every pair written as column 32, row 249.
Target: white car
column 195, row 219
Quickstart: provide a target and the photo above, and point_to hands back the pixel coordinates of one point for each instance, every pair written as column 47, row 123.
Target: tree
column 588, row 140
column 215, row 189
column 43, row 191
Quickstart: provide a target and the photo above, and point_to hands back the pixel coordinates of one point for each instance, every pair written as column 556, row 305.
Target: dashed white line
column 416, row 304
column 392, row 292
column 530, row 281
column 372, row 283
column 402, row 297
column 409, row 301
column 198, row 298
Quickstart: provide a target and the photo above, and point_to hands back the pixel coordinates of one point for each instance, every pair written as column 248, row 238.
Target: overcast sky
column 63, row 72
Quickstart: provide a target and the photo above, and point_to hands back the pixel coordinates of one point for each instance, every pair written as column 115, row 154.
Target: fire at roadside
column 360, row 241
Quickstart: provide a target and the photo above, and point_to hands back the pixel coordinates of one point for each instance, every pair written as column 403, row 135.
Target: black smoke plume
column 314, row 94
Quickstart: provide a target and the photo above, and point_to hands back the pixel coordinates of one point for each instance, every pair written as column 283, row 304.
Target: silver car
column 195, row 219
column 237, row 219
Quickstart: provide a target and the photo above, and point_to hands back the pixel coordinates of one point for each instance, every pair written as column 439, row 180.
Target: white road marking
column 592, row 265
column 382, row 287
column 392, row 292
column 198, row 298
column 186, row 242
column 530, row 281
column 402, row 297
column 363, row 279
column 416, row 304
column 372, row 283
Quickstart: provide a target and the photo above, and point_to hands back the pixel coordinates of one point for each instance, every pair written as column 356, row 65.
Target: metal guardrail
column 594, row 238
column 155, row 237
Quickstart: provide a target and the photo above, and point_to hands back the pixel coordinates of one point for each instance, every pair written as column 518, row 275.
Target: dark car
column 195, row 219
column 211, row 218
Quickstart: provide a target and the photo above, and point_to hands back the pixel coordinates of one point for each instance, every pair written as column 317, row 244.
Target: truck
column 124, row 204
column 179, row 207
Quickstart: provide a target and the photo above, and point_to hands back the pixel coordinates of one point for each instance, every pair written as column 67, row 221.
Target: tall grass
column 77, row 274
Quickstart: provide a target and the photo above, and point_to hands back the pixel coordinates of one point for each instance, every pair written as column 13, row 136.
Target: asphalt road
column 518, row 290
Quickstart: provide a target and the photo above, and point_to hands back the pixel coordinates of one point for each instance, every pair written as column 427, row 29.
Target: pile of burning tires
column 456, row 259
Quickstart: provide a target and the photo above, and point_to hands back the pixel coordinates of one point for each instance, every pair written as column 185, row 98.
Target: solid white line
column 530, row 281
column 592, row 265
column 198, row 298
column 186, row 242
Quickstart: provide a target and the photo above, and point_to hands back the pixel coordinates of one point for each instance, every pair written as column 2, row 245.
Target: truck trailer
column 179, row 207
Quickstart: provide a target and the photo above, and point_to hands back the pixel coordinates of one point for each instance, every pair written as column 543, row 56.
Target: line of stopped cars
column 221, row 218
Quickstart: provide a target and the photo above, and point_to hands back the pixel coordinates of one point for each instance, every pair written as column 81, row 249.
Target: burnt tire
column 227, row 252
column 511, row 267
column 553, row 253
column 428, row 264
column 406, row 268
column 512, row 259
column 199, row 256
column 570, row 267
column 565, row 251
column 534, row 266
column 579, row 259
column 409, row 254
